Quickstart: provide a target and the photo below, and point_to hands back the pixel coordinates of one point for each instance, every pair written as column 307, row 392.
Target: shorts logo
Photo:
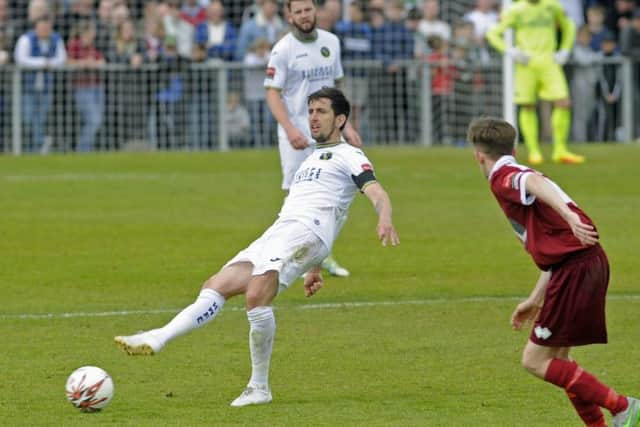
column 325, row 51
column 542, row 333
column 326, row 156
column 271, row 72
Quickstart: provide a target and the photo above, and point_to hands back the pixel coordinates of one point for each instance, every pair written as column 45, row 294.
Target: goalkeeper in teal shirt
column 539, row 73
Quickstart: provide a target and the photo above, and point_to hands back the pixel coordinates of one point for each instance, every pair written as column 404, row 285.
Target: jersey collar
column 305, row 39
column 504, row 160
column 328, row 144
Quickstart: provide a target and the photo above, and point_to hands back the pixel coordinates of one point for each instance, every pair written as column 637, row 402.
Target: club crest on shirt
column 325, row 51
column 326, row 156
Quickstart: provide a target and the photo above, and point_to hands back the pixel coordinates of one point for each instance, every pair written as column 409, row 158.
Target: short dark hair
column 339, row 103
column 493, row 136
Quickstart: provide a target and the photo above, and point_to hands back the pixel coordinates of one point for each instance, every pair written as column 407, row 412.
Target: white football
column 89, row 388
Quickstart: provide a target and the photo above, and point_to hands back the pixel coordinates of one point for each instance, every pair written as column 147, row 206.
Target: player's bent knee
column 533, row 364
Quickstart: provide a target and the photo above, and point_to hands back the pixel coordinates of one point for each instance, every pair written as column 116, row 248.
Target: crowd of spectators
column 178, row 35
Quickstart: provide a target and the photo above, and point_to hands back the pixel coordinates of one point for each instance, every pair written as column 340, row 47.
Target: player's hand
column 524, row 312
column 561, row 57
column 312, row 283
column 387, row 234
column 297, row 139
column 584, row 232
column 352, row 137
column 517, row 55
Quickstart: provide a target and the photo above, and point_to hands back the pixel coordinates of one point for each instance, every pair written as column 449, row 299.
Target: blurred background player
column 302, row 62
column 567, row 303
column 539, row 73
column 302, row 236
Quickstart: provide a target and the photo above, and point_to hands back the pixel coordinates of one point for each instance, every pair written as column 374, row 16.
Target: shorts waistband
column 580, row 255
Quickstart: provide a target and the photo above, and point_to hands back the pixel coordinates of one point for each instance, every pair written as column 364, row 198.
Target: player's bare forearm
column 537, row 294
column 545, row 191
column 382, row 204
column 278, row 109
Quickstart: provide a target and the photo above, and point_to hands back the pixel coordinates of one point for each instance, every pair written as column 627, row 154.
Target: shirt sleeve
column 360, row 169
column 277, row 68
column 567, row 28
column 494, row 35
column 511, row 186
column 22, row 54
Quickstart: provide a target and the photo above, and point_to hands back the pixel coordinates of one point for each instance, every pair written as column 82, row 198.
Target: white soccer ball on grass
column 89, row 388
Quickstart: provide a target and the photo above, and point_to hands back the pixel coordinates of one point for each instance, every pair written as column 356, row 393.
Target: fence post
column 426, row 112
column 16, row 112
column 223, row 141
column 627, row 100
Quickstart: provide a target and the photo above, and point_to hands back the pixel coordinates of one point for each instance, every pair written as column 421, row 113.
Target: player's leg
column 261, row 291
column 536, row 359
column 231, row 280
column 526, row 84
column 554, row 88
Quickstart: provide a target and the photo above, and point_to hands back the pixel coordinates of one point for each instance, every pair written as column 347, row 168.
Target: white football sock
column 262, row 330
column 203, row 310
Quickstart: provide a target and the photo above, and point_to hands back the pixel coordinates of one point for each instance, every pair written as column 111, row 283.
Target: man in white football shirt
column 302, row 62
column 320, row 195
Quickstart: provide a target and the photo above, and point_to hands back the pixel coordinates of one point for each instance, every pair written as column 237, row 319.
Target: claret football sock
column 571, row 377
column 528, row 118
column 589, row 412
column 203, row 310
column 261, row 333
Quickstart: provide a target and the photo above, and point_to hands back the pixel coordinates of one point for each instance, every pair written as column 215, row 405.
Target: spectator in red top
column 193, row 13
column 88, row 90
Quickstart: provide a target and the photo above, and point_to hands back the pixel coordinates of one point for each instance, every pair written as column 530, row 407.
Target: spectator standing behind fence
column 609, row 91
column 356, row 40
column 78, row 11
column 630, row 46
column 217, row 35
column 619, row 16
column 266, row 24
column 238, row 122
column 41, row 49
column 442, row 81
column 431, row 24
column 586, row 71
column 104, row 29
column 179, row 28
column 126, row 106
column 8, row 30
column 88, row 91
column 263, row 124
column 595, row 21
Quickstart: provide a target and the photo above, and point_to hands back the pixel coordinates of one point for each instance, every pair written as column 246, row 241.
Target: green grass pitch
column 418, row 336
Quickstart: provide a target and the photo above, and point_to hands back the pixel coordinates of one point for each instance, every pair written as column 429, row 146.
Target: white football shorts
column 288, row 247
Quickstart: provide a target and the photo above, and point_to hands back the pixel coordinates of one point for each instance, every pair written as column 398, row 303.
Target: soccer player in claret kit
column 321, row 192
column 539, row 73
column 568, row 300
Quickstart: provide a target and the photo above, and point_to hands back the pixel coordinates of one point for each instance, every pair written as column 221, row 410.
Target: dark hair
column 339, row 103
column 493, row 136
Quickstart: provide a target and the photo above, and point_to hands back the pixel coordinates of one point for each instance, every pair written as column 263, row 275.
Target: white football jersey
column 300, row 68
column 324, row 187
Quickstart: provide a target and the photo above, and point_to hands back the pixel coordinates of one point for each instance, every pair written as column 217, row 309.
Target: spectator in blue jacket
column 218, row 36
column 356, row 38
column 39, row 50
column 266, row 24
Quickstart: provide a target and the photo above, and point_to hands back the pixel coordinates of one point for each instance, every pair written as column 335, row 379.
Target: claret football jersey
column 545, row 234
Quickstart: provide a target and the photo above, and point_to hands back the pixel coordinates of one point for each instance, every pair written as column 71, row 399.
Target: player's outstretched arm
column 543, row 190
column 528, row 309
column 313, row 281
column 279, row 110
column 382, row 204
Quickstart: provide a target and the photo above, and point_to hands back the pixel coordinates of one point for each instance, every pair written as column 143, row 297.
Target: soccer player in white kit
column 302, row 62
column 320, row 195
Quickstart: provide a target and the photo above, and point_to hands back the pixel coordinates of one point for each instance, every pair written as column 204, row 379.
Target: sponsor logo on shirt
column 325, row 51
column 318, row 73
column 271, row 71
column 542, row 333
